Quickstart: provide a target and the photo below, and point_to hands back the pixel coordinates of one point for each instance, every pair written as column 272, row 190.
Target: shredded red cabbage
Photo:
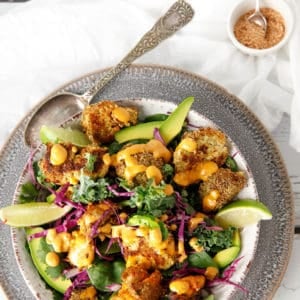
column 218, row 281
column 113, row 189
column 104, row 257
column 185, row 270
column 61, row 199
column 81, row 281
column 94, row 228
column 181, row 227
column 114, row 287
column 191, row 124
column 70, row 273
column 215, row 228
column 70, row 221
column 179, row 202
column 157, row 136
column 114, row 211
column 40, row 234
column 226, row 276
column 229, row 271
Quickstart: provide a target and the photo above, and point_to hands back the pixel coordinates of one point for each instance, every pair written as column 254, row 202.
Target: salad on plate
column 131, row 207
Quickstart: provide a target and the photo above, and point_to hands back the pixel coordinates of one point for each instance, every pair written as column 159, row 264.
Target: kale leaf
column 151, row 199
column 91, row 191
column 214, row 240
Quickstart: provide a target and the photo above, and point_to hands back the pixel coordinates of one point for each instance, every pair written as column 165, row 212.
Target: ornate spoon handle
column 178, row 15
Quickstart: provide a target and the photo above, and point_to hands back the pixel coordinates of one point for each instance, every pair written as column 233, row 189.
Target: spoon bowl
column 54, row 112
column 60, row 108
column 258, row 18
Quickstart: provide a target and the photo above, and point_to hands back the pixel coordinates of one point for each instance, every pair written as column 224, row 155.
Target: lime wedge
column 58, row 134
column 32, row 214
column 243, row 212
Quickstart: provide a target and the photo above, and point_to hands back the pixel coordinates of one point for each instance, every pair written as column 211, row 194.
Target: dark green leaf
column 156, row 117
column 44, row 249
column 104, row 273
column 231, row 164
column 29, row 193
column 201, row 260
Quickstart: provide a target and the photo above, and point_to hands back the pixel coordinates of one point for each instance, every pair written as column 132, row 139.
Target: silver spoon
column 258, row 18
column 56, row 110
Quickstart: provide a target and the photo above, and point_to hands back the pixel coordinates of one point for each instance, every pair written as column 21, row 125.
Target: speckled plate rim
column 272, row 282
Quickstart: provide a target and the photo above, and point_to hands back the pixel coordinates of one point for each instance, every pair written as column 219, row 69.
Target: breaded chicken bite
column 63, row 163
column 220, row 189
column 140, row 284
column 102, row 120
column 204, row 144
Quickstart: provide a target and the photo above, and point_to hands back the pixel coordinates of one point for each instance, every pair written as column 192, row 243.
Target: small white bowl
column 244, row 6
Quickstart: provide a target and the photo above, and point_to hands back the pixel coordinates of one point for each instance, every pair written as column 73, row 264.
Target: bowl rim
column 261, row 52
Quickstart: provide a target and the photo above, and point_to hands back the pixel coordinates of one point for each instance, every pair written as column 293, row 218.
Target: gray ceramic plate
column 274, row 243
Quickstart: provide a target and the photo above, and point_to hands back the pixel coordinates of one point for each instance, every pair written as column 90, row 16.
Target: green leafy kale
column 90, row 162
column 151, row 199
column 168, row 172
column 214, row 240
column 91, row 191
column 28, row 193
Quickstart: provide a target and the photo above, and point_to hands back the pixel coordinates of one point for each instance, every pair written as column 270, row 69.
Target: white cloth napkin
column 45, row 43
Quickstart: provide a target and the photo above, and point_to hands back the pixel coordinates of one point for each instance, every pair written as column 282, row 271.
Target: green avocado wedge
column 168, row 128
column 225, row 257
column 60, row 283
column 172, row 126
column 139, row 131
column 68, row 135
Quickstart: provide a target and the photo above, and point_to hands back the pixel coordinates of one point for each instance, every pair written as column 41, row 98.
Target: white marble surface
column 290, row 285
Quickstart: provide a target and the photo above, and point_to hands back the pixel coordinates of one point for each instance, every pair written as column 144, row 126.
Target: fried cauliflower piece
column 221, row 188
column 145, row 159
column 187, row 287
column 97, row 220
column 102, row 120
column 139, row 162
column 145, row 247
column 89, row 293
column 76, row 159
column 204, row 144
column 82, row 250
column 139, row 284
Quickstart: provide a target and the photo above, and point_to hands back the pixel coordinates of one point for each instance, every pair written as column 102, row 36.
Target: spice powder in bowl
column 253, row 36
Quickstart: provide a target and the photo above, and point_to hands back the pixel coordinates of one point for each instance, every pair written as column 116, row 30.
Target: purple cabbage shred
column 157, row 136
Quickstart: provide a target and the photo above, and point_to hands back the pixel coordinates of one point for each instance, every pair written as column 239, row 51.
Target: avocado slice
column 68, row 135
column 173, row 125
column 224, row 257
column 139, row 131
column 60, row 283
column 168, row 128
